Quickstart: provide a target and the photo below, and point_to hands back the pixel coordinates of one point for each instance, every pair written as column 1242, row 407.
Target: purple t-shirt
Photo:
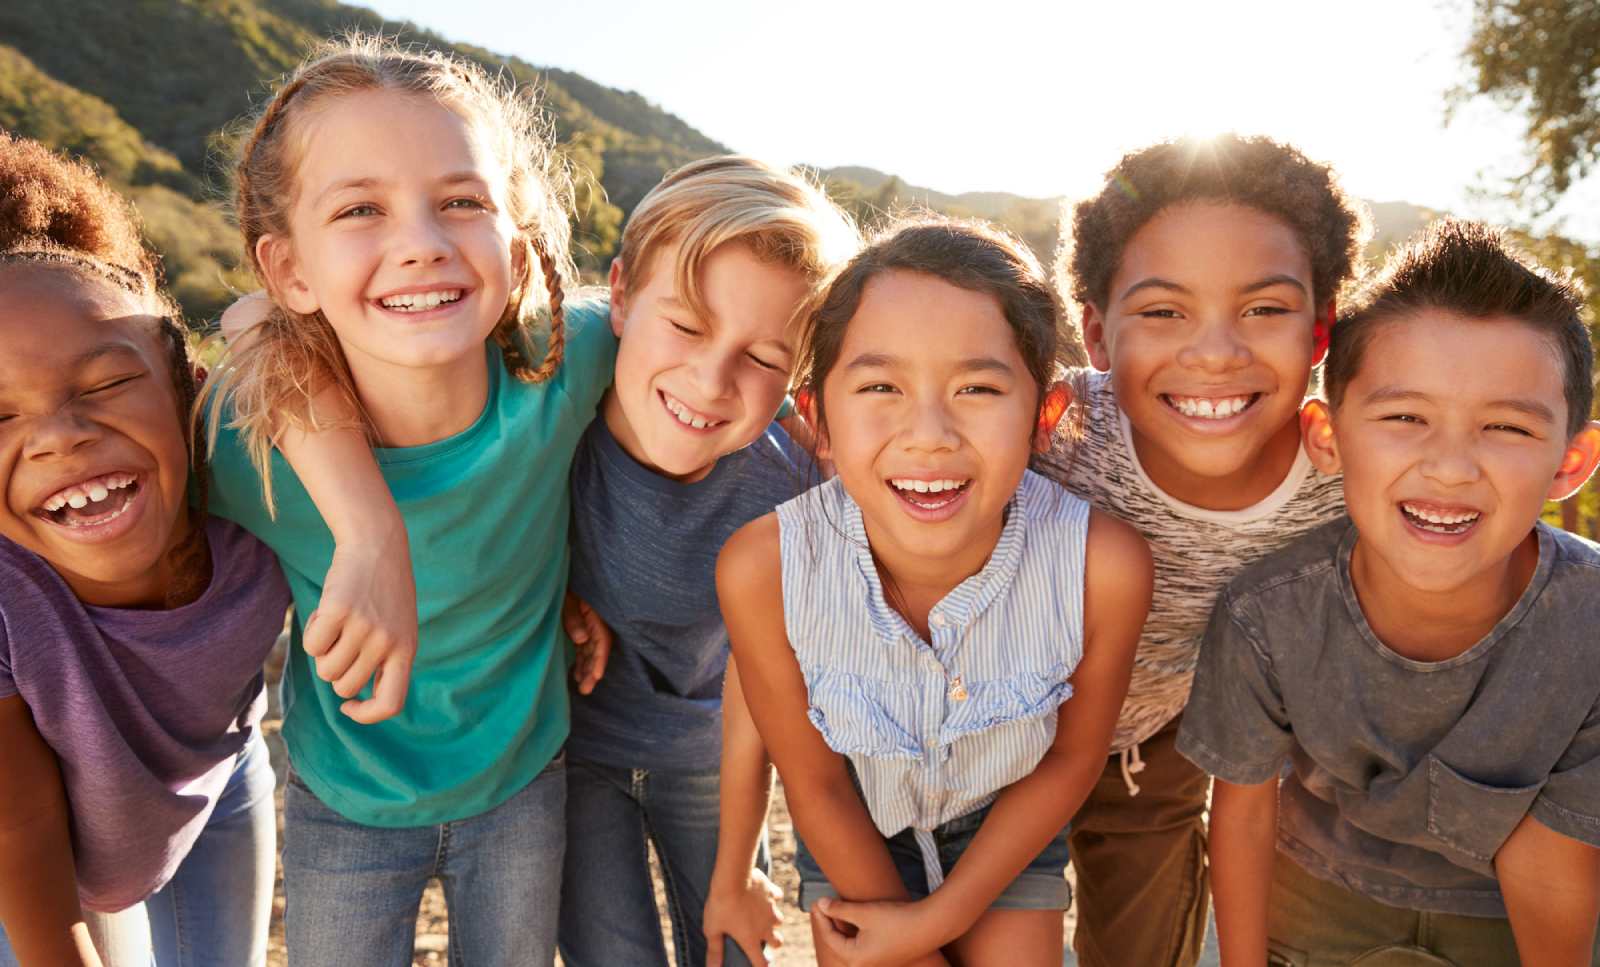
column 146, row 710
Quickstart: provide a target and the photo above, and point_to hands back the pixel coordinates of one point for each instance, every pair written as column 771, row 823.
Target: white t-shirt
column 1196, row 551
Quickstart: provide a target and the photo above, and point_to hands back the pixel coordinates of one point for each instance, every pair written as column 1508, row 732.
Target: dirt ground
column 433, row 926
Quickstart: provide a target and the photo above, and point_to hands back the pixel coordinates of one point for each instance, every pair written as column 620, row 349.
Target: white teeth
column 926, row 486
column 1439, row 518
column 421, row 301
column 686, row 416
column 97, row 492
column 1209, row 408
column 93, row 490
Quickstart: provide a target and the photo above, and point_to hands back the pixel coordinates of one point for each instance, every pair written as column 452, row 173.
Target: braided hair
column 271, row 379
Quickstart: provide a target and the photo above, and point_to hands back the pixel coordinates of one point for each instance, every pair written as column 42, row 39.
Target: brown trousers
column 1143, row 890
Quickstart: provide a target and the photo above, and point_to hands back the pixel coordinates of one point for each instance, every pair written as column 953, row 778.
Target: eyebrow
column 362, row 184
column 102, row 351
column 972, row 364
column 1167, row 285
column 1394, row 394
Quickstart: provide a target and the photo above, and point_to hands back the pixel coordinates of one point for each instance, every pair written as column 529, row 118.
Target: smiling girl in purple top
column 135, row 784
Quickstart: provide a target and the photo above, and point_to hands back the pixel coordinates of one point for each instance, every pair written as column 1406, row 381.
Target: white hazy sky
column 1039, row 98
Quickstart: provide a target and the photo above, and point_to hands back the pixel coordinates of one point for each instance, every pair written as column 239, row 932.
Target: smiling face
column 690, row 389
column 1208, row 333
column 407, row 251
column 927, row 417
column 92, row 449
column 1451, row 435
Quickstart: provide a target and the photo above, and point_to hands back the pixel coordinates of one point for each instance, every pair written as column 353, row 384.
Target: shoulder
column 1574, row 551
column 1119, row 570
column 1310, row 561
column 591, row 346
column 750, row 560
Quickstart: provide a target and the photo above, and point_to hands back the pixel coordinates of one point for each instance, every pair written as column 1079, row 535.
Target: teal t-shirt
column 487, row 513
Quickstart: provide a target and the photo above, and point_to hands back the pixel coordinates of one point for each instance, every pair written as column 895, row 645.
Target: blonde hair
column 271, row 378
column 784, row 219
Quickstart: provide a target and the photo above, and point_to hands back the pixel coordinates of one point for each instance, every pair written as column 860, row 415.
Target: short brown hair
column 968, row 254
column 1468, row 269
column 1255, row 172
column 785, row 219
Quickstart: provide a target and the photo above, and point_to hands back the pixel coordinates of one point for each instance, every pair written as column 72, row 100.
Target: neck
column 1245, row 487
column 412, row 406
column 1438, row 625
column 914, row 583
column 180, row 577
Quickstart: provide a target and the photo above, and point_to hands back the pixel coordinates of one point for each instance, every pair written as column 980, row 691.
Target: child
column 916, row 626
column 715, row 264
column 408, row 282
column 136, row 816
column 1206, row 273
column 1426, row 667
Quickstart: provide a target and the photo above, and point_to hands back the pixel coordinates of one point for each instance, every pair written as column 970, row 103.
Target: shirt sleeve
column 1235, row 726
column 8, row 686
column 590, row 355
column 1569, row 803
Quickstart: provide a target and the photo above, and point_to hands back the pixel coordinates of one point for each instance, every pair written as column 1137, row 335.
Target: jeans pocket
column 1472, row 820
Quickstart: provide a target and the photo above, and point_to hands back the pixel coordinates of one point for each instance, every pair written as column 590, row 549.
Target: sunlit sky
column 1039, row 98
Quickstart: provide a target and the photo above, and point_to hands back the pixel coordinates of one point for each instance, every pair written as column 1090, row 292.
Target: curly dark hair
column 1468, row 269
column 56, row 214
column 1256, row 172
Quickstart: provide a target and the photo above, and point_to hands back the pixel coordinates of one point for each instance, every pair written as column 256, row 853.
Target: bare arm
column 827, row 809
column 1033, row 810
column 1551, row 884
column 742, row 903
column 1244, row 825
column 365, row 627
column 38, row 884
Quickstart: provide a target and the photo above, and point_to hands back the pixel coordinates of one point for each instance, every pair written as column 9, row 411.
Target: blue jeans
column 353, row 891
column 214, row 910
column 608, row 907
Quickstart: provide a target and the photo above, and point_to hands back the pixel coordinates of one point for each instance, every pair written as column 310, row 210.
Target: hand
column 245, row 313
column 593, row 638
column 747, row 913
column 881, row 933
column 365, row 628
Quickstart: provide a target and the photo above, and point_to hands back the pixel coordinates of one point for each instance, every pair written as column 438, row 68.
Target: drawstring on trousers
column 1132, row 765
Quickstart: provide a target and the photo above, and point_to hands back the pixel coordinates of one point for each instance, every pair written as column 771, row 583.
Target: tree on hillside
column 1541, row 58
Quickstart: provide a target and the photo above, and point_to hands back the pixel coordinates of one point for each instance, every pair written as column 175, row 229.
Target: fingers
column 592, row 662
column 574, row 618
column 322, row 629
column 827, row 933
column 388, row 692
column 714, row 948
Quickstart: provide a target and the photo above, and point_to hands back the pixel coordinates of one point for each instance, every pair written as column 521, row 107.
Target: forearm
column 1551, row 886
column 834, row 823
column 337, row 467
column 745, row 796
column 1025, row 817
column 1243, row 847
column 39, row 898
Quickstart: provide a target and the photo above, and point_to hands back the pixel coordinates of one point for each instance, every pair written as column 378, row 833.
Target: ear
column 1094, row 338
column 277, row 260
column 1578, row 463
column 1322, row 331
column 1051, row 410
column 619, row 298
column 1316, row 433
column 805, row 401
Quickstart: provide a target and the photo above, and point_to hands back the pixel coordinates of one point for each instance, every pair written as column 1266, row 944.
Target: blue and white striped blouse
column 935, row 731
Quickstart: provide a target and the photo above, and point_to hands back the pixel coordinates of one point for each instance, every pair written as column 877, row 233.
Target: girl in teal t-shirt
column 405, row 280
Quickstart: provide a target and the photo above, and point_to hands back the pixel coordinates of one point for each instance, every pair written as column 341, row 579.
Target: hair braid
column 506, row 333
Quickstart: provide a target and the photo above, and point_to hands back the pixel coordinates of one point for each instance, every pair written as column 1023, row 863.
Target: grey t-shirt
column 644, row 555
column 145, row 710
column 1406, row 776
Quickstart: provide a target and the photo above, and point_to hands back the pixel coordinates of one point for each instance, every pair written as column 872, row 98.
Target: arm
column 1551, row 885
column 743, row 902
column 1033, row 810
column 826, row 807
column 366, row 622
column 1244, row 825
column 38, row 885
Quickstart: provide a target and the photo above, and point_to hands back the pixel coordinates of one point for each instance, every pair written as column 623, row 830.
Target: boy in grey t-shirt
column 1426, row 667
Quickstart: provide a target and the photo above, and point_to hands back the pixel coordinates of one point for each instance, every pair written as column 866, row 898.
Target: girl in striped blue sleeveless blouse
column 934, row 644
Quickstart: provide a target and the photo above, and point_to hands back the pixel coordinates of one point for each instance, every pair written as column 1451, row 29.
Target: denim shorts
column 1041, row 886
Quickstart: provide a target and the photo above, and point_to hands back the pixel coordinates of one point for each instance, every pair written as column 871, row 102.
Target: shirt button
column 936, row 619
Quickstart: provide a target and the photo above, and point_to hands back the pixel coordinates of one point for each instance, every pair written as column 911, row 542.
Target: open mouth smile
column 1211, row 408
column 930, row 499
column 416, row 302
column 94, row 509
column 1437, row 519
column 687, row 416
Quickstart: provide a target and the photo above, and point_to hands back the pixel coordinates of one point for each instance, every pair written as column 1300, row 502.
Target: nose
column 422, row 241
column 1216, row 347
column 711, row 373
column 60, row 434
column 930, row 426
column 1449, row 460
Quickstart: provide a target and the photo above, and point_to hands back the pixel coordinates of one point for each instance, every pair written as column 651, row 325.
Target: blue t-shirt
column 487, row 513
column 644, row 555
